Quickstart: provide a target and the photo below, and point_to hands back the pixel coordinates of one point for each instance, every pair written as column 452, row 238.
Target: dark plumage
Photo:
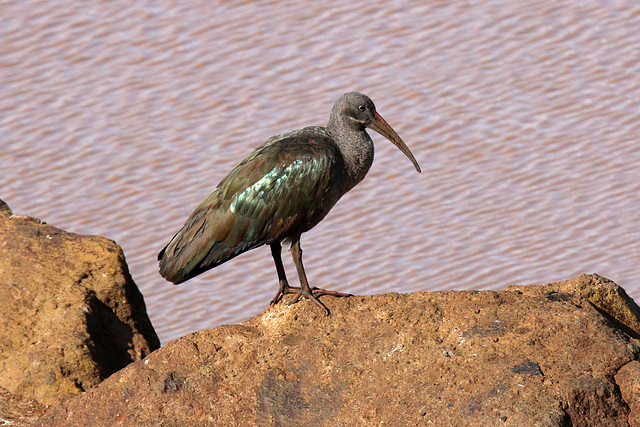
column 284, row 188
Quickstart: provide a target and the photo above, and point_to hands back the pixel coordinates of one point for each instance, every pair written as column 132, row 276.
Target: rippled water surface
column 117, row 118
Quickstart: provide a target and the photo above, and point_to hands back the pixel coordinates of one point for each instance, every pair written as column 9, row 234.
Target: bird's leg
column 305, row 290
column 284, row 288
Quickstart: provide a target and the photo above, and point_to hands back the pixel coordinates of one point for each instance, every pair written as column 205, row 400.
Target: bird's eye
column 362, row 108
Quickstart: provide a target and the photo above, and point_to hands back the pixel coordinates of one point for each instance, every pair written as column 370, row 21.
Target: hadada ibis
column 284, row 188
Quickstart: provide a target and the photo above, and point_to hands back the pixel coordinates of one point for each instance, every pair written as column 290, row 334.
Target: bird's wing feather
column 273, row 193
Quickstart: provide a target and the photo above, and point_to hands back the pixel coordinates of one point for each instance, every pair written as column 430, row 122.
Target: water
column 117, row 118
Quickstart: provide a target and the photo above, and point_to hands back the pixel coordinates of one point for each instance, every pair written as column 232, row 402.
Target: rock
column 15, row 410
column 70, row 316
column 5, row 210
column 532, row 355
column 608, row 298
column 628, row 379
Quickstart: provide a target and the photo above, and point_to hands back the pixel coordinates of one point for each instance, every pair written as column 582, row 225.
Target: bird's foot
column 313, row 294
column 282, row 291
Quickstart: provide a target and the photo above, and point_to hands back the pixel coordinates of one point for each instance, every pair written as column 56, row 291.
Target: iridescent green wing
column 272, row 194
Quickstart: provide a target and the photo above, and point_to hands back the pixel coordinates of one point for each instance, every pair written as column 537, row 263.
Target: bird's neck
column 356, row 148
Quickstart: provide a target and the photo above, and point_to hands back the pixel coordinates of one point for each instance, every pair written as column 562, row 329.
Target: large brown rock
column 70, row 315
column 552, row 355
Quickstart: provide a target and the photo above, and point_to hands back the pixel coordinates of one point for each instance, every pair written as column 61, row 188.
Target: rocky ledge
column 560, row 354
column 563, row 354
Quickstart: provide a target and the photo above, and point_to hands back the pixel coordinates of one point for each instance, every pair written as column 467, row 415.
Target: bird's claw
column 310, row 294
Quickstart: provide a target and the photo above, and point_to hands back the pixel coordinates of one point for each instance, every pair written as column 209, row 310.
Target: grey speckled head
column 355, row 111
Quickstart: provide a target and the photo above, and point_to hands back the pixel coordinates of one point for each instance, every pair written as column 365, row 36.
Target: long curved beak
column 381, row 126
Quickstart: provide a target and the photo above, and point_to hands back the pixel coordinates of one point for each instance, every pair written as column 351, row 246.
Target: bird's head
column 359, row 109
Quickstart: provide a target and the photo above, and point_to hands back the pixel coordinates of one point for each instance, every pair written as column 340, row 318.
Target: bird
column 284, row 188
